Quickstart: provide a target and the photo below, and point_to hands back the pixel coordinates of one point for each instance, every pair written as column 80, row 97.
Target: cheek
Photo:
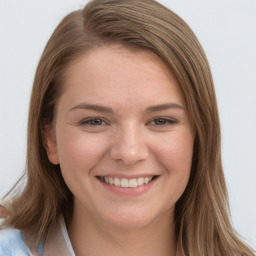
column 77, row 151
column 175, row 156
column 176, row 152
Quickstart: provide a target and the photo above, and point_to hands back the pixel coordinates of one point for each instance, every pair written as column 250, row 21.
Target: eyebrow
column 164, row 107
column 94, row 107
column 104, row 109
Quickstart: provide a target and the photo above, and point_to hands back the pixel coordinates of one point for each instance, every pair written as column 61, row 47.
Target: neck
column 93, row 238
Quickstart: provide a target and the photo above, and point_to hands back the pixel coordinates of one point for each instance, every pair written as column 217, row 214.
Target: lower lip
column 129, row 191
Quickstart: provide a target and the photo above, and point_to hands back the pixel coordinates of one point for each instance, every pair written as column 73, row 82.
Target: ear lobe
column 50, row 145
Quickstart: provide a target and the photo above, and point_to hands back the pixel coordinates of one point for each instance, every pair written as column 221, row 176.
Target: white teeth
column 117, row 182
column 127, row 183
column 110, row 181
column 140, row 181
column 124, row 183
column 133, row 183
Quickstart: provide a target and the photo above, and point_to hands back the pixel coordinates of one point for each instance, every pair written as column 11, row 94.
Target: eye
column 162, row 121
column 93, row 122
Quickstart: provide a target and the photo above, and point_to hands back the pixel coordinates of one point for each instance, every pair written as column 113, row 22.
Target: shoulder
column 12, row 243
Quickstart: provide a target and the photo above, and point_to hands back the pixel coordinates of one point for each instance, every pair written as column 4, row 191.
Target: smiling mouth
column 127, row 183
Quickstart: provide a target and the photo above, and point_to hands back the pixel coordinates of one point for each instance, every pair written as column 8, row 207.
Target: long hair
column 202, row 216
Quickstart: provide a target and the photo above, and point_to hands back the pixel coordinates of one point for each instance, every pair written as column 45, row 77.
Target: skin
column 131, row 138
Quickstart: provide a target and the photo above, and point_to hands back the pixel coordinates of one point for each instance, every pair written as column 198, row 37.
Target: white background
column 227, row 31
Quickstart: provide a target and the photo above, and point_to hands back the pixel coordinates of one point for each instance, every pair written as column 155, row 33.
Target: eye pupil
column 96, row 121
column 160, row 121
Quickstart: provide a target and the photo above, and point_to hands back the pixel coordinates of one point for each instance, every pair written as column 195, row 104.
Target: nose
column 129, row 146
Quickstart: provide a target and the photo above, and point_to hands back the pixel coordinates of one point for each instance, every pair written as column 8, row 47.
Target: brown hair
column 201, row 214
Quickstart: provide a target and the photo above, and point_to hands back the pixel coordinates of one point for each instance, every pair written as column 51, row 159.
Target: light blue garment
column 12, row 244
column 57, row 242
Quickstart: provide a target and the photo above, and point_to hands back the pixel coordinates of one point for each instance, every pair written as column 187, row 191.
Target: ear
column 50, row 145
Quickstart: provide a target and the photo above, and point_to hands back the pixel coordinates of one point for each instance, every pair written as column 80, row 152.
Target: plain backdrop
column 227, row 31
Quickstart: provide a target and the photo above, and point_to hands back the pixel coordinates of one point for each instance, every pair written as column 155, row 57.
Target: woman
column 123, row 150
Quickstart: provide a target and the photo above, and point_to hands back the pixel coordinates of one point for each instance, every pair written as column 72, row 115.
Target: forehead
column 117, row 72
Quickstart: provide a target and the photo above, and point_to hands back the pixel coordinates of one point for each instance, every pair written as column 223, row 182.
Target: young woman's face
column 122, row 137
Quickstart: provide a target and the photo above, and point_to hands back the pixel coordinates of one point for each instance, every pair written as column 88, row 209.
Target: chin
column 131, row 219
